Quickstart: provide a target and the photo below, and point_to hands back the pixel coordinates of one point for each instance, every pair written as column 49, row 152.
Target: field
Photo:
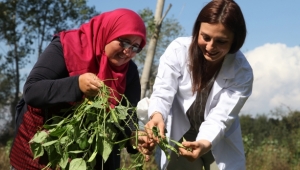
column 4, row 160
column 268, row 156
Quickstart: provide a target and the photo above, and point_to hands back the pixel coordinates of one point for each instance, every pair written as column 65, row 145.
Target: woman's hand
column 143, row 144
column 89, row 84
column 195, row 149
column 155, row 120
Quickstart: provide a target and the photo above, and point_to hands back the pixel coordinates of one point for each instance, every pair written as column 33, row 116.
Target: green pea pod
column 180, row 145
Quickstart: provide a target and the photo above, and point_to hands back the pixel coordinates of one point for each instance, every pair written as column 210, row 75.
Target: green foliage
column 44, row 18
column 5, row 86
column 273, row 152
column 8, row 146
column 4, row 154
column 164, row 144
column 276, row 141
column 91, row 129
column 14, row 57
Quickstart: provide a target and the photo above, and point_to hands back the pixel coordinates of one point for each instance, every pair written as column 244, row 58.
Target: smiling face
column 116, row 54
column 214, row 41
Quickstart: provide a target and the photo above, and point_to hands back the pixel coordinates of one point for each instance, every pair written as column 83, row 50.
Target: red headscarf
column 84, row 47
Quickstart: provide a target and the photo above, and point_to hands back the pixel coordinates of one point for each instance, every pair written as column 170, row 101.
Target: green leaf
column 57, row 131
column 93, row 164
column 110, row 132
column 49, row 149
column 49, row 143
column 53, row 155
column 75, row 130
column 98, row 104
column 122, row 112
column 92, row 156
column 104, row 148
column 64, row 139
column 78, row 164
column 48, row 127
column 90, row 116
column 90, row 141
column 87, row 107
column 82, row 142
column 60, row 123
column 71, row 134
column 77, row 151
column 64, row 160
column 39, row 137
column 37, row 150
column 58, row 148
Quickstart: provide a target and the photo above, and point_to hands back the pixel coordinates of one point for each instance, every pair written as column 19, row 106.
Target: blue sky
column 272, row 46
column 268, row 21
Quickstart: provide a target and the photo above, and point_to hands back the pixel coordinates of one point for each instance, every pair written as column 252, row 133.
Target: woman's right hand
column 155, row 120
column 89, row 84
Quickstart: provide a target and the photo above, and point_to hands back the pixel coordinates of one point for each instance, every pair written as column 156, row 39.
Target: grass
column 272, row 157
column 5, row 165
column 126, row 160
column 4, row 159
column 266, row 157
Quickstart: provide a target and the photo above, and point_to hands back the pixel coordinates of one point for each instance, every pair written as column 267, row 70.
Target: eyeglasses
column 126, row 45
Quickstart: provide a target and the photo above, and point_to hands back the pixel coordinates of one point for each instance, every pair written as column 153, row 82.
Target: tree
column 13, row 60
column 25, row 23
column 43, row 18
column 169, row 30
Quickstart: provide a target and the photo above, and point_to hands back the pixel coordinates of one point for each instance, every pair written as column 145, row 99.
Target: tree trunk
column 152, row 46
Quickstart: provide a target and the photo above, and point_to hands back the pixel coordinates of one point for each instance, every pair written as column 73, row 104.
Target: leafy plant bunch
column 73, row 141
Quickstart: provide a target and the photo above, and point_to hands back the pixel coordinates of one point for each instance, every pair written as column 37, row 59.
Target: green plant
column 72, row 142
column 89, row 128
column 164, row 144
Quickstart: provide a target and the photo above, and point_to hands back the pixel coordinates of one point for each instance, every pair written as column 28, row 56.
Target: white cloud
column 276, row 69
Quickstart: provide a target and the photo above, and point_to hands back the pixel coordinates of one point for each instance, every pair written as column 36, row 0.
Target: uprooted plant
column 72, row 141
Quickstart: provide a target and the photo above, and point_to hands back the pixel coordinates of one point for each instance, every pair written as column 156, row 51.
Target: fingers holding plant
column 156, row 120
column 89, row 84
column 192, row 150
column 142, row 144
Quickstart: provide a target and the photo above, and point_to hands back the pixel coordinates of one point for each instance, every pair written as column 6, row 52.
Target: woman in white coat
column 202, row 83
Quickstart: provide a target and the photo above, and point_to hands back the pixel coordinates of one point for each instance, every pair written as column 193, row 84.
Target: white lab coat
column 172, row 96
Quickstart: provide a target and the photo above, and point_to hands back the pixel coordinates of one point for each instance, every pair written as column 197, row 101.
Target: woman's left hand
column 195, row 149
column 143, row 145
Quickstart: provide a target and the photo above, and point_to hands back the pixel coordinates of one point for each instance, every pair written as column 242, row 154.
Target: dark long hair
column 226, row 12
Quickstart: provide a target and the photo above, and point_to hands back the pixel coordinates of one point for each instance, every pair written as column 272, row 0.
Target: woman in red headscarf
column 72, row 66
